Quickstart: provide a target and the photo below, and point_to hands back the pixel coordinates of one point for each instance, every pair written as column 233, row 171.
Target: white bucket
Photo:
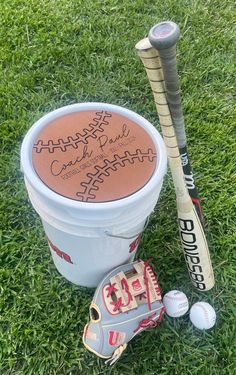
column 88, row 239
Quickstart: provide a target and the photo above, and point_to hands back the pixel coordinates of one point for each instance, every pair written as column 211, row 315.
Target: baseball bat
column 164, row 37
column 192, row 236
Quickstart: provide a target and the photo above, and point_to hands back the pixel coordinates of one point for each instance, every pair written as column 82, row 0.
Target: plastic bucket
column 93, row 230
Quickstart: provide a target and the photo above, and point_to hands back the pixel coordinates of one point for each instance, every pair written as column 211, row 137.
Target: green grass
column 55, row 53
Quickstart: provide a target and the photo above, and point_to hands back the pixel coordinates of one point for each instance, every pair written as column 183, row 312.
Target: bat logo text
column 191, row 252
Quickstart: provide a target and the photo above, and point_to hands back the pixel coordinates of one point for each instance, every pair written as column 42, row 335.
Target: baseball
column 202, row 315
column 176, row 303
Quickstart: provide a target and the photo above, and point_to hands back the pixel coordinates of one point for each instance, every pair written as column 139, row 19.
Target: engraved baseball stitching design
column 88, row 186
column 103, row 171
column 90, row 132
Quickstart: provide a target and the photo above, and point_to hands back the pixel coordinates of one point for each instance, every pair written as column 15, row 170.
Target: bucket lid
column 94, row 156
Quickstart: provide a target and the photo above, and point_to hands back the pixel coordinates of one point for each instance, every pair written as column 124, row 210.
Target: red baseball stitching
column 205, row 312
column 176, row 298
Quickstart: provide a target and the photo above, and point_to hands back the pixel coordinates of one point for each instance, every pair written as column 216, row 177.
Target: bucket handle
column 128, row 238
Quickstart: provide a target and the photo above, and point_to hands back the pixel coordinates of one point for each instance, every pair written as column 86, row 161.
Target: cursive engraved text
column 57, row 168
column 103, row 140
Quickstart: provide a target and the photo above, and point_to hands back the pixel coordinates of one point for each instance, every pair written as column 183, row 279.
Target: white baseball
column 202, row 315
column 176, row 303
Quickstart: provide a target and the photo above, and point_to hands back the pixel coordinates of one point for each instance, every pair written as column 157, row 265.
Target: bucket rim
column 37, row 184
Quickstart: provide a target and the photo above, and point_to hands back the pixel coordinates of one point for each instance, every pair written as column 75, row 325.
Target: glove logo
column 116, row 338
column 135, row 243
column 60, row 253
column 136, row 285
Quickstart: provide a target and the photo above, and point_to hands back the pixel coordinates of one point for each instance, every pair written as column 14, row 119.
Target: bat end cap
column 143, row 45
column 164, row 35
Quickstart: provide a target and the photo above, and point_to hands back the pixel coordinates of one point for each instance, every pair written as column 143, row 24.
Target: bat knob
column 164, row 35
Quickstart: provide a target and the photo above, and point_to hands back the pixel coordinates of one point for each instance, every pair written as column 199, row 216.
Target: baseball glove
column 126, row 302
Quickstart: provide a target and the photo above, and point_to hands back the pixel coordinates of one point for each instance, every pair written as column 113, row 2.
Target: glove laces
column 116, row 355
column 146, row 264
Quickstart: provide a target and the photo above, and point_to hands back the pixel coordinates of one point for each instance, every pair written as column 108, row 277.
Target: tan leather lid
column 94, row 156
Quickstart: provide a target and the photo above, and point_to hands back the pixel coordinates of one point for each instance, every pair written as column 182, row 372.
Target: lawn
column 55, row 53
